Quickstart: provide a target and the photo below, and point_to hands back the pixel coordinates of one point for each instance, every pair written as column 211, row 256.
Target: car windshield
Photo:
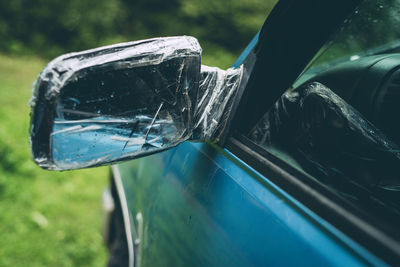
column 373, row 28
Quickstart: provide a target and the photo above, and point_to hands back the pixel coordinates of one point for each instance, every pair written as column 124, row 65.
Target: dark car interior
column 340, row 128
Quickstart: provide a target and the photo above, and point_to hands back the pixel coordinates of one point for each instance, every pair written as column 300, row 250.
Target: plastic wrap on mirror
column 72, row 66
column 115, row 102
column 216, row 94
column 330, row 139
column 127, row 100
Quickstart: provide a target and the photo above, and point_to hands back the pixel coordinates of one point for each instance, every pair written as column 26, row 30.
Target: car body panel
column 199, row 205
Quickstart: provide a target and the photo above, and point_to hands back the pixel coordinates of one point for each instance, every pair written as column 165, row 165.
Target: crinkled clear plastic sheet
column 317, row 132
column 127, row 100
column 216, row 94
column 330, row 139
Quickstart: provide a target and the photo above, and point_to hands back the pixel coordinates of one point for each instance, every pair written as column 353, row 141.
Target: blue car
column 289, row 158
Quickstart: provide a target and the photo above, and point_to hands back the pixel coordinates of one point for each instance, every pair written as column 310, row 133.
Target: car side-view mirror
column 126, row 101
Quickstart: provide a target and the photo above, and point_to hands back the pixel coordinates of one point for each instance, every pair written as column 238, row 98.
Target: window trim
column 353, row 222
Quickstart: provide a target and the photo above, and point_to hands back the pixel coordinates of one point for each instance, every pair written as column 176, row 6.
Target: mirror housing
column 126, row 101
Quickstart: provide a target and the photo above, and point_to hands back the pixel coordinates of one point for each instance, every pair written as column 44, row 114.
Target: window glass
column 373, row 28
column 338, row 124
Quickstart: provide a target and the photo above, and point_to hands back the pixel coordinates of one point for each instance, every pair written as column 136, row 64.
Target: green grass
column 46, row 218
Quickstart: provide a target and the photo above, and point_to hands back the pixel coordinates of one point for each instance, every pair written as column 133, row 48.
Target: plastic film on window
column 330, row 139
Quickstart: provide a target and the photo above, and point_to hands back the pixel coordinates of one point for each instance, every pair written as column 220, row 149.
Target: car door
column 203, row 204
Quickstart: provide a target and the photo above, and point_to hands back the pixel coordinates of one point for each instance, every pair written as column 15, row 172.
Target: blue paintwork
column 201, row 206
column 246, row 51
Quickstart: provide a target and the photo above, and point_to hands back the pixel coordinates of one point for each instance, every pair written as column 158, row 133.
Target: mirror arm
column 217, row 91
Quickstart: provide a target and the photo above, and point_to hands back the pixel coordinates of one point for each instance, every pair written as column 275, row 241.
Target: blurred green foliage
column 46, row 218
column 51, row 27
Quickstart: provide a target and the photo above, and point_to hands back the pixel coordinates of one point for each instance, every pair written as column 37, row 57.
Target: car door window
column 373, row 28
column 337, row 124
